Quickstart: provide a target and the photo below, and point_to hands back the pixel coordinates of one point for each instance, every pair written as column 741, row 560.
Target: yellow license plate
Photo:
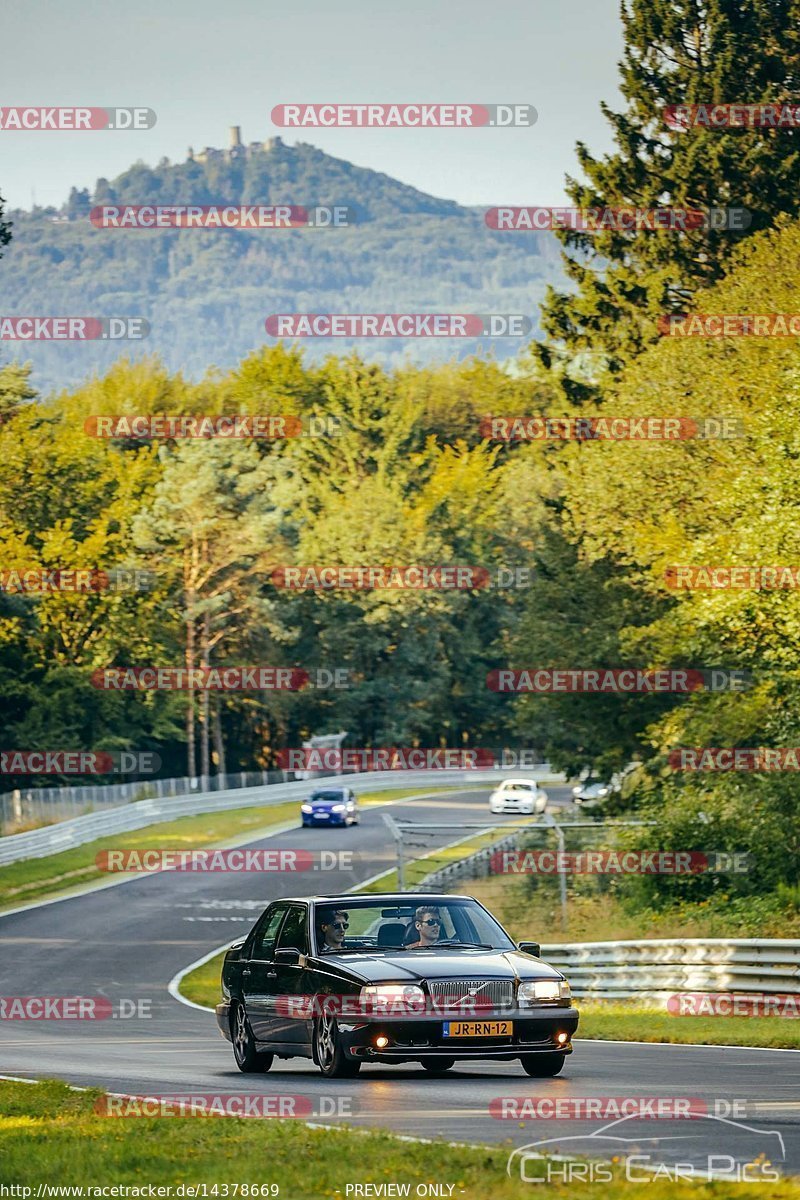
column 478, row 1028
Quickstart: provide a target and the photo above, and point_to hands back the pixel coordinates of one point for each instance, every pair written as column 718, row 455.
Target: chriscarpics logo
column 634, row 1149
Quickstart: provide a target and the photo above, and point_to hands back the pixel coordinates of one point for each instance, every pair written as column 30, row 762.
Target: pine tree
column 677, row 52
column 5, row 228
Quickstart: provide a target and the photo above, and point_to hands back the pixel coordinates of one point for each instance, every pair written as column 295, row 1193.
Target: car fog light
column 381, row 1042
column 561, row 1038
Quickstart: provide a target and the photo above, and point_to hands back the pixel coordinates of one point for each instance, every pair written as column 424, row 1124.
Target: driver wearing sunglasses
column 332, row 931
column 428, row 924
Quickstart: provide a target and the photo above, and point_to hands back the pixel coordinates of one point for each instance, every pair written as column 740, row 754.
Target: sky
column 204, row 66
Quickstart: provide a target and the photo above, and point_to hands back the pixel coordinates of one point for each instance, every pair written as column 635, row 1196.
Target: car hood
column 415, row 965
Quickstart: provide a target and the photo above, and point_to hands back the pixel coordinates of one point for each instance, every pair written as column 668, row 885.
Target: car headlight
column 339, row 807
column 403, row 997
column 543, row 989
column 306, row 808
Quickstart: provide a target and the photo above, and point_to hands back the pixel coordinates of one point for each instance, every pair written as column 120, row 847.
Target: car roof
column 410, row 898
column 532, row 782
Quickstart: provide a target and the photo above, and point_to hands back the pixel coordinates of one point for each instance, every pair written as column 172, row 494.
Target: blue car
column 330, row 806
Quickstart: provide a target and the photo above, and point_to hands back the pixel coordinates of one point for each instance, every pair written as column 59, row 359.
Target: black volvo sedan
column 391, row 978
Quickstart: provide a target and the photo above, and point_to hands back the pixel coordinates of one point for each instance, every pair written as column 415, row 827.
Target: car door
column 291, row 950
column 259, row 977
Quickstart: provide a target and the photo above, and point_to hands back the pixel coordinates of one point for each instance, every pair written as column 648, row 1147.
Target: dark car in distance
column 391, row 978
column 330, row 806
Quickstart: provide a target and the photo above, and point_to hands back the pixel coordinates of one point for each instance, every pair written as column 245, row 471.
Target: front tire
column 438, row 1066
column 248, row 1059
column 329, row 1052
column 542, row 1066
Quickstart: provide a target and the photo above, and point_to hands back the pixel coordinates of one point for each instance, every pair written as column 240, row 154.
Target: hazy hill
column 207, row 292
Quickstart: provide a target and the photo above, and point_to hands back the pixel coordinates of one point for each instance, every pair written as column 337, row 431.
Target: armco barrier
column 653, row 969
column 473, row 866
column 38, row 843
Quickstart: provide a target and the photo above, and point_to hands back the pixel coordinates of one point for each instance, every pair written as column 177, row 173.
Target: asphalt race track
column 127, row 942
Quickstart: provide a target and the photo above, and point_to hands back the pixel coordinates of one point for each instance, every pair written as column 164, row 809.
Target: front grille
column 499, row 993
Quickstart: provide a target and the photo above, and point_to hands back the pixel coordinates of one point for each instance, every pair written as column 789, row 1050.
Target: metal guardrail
column 38, row 843
column 46, row 805
column 473, row 866
column 655, row 968
column 652, row 969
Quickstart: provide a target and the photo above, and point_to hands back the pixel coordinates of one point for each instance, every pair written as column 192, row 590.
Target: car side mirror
column 288, row 956
column 531, row 948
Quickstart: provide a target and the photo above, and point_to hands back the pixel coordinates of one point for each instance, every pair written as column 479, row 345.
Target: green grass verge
column 37, row 878
column 529, row 908
column 202, row 985
column 51, row 1135
column 627, row 1021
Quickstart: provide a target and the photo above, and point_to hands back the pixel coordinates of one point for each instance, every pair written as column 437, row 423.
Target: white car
column 518, row 795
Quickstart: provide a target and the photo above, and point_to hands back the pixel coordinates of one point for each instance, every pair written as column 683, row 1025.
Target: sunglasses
column 430, row 922
column 339, row 925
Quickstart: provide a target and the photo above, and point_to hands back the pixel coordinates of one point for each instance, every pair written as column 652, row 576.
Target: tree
column 676, row 52
column 711, row 502
column 15, row 389
column 79, row 204
column 211, row 531
column 5, row 228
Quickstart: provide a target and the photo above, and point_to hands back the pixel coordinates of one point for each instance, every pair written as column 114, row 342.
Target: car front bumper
column 329, row 819
column 533, row 1033
column 222, row 1012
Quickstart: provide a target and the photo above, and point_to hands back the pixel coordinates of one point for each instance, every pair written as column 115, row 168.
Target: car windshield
column 326, row 796
column 518, row 787
column 382, row 927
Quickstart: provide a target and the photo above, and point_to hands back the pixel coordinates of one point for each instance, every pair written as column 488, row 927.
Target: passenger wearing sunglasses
column 428, row 924
column 332, row 931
